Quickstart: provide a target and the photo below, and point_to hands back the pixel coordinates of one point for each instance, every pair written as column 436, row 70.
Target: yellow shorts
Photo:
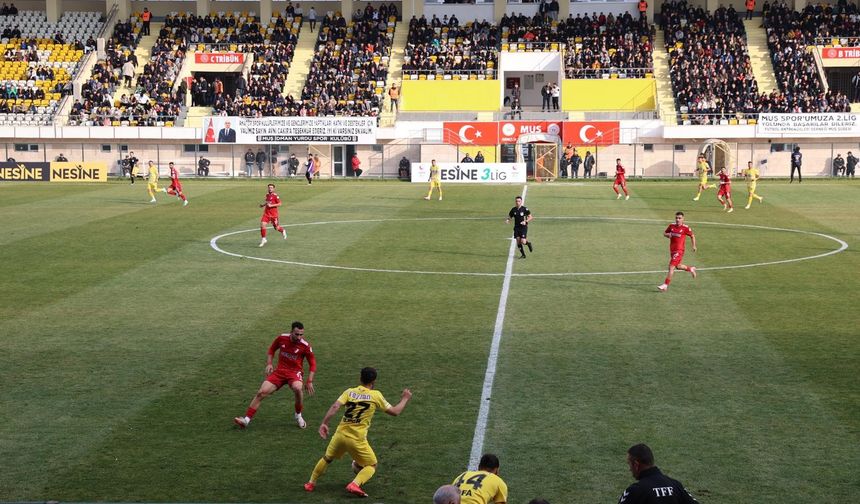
column 703, row 181
column 153, row 185
column 751, row 187
column 435, row 183
column 360, row 451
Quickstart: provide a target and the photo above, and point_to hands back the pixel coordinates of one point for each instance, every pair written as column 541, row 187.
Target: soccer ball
column 355, row 467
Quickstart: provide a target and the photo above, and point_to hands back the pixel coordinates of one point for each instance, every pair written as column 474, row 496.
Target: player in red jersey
column 725, row 191
column 620, row 180
column 293, row 349
column 270, row 214
column 677, row 234
column 175, row 188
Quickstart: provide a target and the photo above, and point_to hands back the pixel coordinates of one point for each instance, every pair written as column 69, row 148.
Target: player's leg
column 674, row 260
column 279, row 228
column 439, row 186
column 263, row 222
column 296, row 387
column 267, row 388
column 430, row 192
column 335, row 450
column 624, row 186
column 699, row 190
column 615, row 188
column 527, row 243
column 151, row 188
column 731, row 205
column 365, row 458
column 520, row 243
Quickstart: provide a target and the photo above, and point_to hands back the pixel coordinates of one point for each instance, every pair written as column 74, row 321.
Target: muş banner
column 289, row 130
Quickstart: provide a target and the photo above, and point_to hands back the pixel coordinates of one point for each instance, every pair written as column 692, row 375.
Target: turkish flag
column 470, row 133
column 591, row 133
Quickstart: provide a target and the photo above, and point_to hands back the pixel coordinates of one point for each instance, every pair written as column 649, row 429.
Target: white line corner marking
column 492, row 359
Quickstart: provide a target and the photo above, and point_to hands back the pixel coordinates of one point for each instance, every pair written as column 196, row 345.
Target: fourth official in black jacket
column 652, row 486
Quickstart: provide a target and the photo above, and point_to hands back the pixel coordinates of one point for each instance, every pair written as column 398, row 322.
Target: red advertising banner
column 591, row 133
column 470, row 133
column 841, row 52
column 219, row 58
column 510, row 131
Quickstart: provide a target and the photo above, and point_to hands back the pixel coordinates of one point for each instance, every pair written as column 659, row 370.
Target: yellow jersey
column 434, row 173
column 153, row 174
column 481, row 487
column 702, row 169
column 752, row 174
column 361, row 403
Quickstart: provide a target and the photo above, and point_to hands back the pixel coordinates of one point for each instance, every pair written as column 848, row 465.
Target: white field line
column 490, row 374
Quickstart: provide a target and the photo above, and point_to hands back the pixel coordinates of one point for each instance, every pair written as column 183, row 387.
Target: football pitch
column 131, row 334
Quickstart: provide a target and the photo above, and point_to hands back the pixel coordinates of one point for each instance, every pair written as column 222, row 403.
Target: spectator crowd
column 443, row 46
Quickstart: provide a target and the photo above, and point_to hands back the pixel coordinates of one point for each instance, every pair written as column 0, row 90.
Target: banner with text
column 841, row 53
column 510, row 131
column 53, row 172
column 804, row 125
column 229, row 58
column 289, row 130
column 472, row 173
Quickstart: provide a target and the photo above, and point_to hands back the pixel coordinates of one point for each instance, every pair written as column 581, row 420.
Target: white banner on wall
column 289, row 130
column 824, row 124
column 472, row 173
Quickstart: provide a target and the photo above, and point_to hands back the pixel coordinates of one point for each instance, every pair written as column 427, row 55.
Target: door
column 546, row 161
column 338, row 161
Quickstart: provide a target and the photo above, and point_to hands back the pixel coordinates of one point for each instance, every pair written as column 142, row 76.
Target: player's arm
column 312, row 369
column 270, row 355
column 529, row 218
column 328, row 414
column 510, row 216
column 398, row 408
column 693, row 241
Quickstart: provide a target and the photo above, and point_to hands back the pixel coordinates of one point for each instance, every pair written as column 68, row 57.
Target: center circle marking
column 842, row 247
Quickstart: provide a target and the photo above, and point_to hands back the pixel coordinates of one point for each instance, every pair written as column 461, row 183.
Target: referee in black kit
column 652, row 487
column 521, row 217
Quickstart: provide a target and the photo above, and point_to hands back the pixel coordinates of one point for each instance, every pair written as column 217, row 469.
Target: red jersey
column 290, row 355
column 678, row 236
column 619, row 172
column 174, row 175
column 724, row 179
column 272, row 199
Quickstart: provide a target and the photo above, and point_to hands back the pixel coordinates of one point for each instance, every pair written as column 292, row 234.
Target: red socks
column 667, row 281
column 263, row 232
column 298, row 407
column 250, row 412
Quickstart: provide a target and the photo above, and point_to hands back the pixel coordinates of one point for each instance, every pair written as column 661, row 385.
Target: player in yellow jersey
column 351, row 436
column 752, row 175
column 152, row 181
column 702, row 169
column 435, row 180
column 483, row 486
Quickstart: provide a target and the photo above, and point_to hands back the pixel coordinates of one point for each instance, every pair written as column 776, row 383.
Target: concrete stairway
column 194, row 116
column 143, row 53
column 760, row 56
column 300, row 67
column 395, row 72
column 665, row 96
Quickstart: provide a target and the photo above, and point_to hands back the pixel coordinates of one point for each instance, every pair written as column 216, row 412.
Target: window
column 195, row 148
column 106, row 148
column 680, row 148
column 26, row 147
column 648, row 147
column 781, row 147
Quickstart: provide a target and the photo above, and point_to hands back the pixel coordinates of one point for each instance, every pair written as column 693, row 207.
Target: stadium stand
column 97, row 92
column 263, row 95
column 38, row 62
column 350, row 68
column 789, row 35
column 606, row 44
column 711, row 74
column 444, row 47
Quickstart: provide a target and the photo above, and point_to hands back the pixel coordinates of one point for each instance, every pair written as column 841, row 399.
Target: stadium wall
column 659, row 159
column 450, row 96
column 628, row 95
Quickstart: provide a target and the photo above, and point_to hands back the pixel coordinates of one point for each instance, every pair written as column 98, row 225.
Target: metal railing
column 442, row 74
column 533, row 46
column 685, row 118
column 608, row 73
column 836, row 41
column 90, row 119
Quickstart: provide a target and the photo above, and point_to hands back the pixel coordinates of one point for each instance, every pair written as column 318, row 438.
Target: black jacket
column 654, row 487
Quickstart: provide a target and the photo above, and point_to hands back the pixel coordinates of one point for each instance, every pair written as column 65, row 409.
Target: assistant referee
column 521, row 217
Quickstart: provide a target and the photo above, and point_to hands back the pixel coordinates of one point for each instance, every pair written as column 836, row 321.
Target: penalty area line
column 492, row 359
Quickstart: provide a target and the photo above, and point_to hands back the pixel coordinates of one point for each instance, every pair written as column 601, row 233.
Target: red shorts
column 176, row 186
column 282, row 377
column 267, row 217
column 675, row 257
column 620, row 180
column 725, row 191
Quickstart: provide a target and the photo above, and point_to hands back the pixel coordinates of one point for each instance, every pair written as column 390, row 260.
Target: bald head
column 447, row 494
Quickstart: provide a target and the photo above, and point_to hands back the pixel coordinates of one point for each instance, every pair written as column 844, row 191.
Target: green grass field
column 128, row 344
